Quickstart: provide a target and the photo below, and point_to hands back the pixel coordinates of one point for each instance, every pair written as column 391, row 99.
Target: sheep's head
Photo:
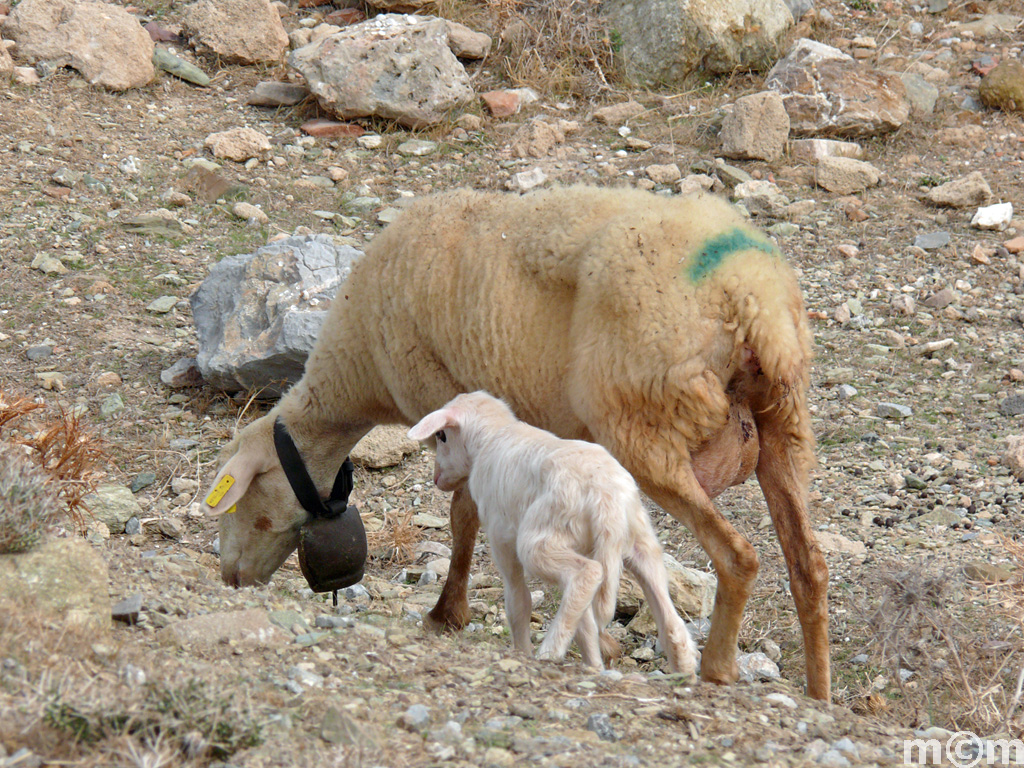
column 448, row 427
column 259, row 515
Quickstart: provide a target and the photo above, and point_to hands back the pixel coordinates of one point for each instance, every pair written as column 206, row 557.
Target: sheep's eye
column 440, row 436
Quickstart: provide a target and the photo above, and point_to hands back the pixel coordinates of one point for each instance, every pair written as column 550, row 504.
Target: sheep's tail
column 608, row 552
column 773, row 339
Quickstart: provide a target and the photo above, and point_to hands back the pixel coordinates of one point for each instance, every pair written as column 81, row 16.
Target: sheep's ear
column 233, row 481
column 433, row 423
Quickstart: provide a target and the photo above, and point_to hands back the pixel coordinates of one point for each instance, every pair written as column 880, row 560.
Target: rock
column 844, row 175
column 893, row 411
column 1013, row 457
column 416, row 718
column 162, row 305
column 1003, row 87
column 238, row 144
column 1012, row 406
column 113, row 505
column 663, row 174
column 26, row 76
column 834, row 542
column 990, row 572
column 48, row 264
column 501, row 103
column 65, row 579
column 275, row 94
column 967, row 192
column 601, row 724
column 248, row 629
column 827, row 93
column 524, row 181
column 757, row 128
column 692, row 592
column 996, row 216
column 417, row 147
column 111, row 406
column 104, row 42
column 257, row 315
column 617, row 114
column 236, row 31
column 465, row 43
column 991, row 24
column 406, row 71
column 166, row 61
column 664, row 41
column 757, row 666
column 921, row 94
column 184, row 373
column 930, row 241
column 250, row 212
column 127, row 610
column 331, row 129
column 6, row 62
column 938, row 516
column 761, row 197
column 384, row 446
column 339, row 728
column 538, row 137
column 403, row 6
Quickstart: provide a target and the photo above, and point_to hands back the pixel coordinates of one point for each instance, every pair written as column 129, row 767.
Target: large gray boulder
column 257, row 315
column 828, row 93
column 664, row 41
column 392, row 66
column 104, row 42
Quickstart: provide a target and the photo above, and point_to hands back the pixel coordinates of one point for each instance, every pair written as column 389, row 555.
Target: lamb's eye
column 440, row 436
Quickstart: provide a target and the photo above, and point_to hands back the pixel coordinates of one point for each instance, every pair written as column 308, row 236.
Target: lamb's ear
column 234, row 479
column 433, row 423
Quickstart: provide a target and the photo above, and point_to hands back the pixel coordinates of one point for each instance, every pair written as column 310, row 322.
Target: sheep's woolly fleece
column 570, row 303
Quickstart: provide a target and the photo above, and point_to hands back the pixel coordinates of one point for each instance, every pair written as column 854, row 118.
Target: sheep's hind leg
column 518, row 603
column 784, row 484
column 452, row 608
column 732, row 556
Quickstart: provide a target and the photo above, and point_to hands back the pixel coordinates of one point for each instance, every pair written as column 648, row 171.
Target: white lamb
column 564, row 511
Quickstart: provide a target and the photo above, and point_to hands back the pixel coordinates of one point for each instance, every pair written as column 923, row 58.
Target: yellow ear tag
column 234, row 508
column 219, row 490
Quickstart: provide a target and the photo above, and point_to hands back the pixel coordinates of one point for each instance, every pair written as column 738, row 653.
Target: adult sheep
column 667, row 329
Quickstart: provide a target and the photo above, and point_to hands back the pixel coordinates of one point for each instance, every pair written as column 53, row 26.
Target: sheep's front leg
column 518, row 603
column 732, row 556
column 452, row 608
column 784, row 484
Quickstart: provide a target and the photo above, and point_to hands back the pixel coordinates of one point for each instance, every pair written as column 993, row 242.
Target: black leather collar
column 303, row 487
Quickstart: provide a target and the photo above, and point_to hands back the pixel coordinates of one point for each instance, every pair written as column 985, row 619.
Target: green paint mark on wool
column 717, row 248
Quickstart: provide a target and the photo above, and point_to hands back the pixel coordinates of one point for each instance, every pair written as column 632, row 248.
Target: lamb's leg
column 518, row 604
column 784, row 484
column 452, row 608
column 732, row 556
column 587, row 640
column 646, row 564
column 579, row 578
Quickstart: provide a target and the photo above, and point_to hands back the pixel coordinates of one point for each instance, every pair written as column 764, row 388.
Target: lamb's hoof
column 719, row 675
column 610, row 648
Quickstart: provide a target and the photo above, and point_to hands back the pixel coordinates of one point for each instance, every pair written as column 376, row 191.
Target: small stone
column 663, row 174
column 845, row 176
column 370, row 141
column 48, row 265
column 175, row 65
column 127, row 610
column 238, row 144
column 277, row 94
column 915, row 483
column 163, row 305
column 989, row 572
column 940, row 300
column 416, row 718
column 142, row 480
column 184, row 373
column 38, row 352
column 250, row 212
column 417, row 147
column 781, row 698
column 970, row 191
column 996, row 216
column 331, row 129
column 930, row 241
column 111, row 406
column 757, row 666
column 893, row 411
column 601, row 724
column 1003, row 87
column 527, row 180
column 1013, row 457
column 617, row 114
column 1012, row 405
column 501, row 103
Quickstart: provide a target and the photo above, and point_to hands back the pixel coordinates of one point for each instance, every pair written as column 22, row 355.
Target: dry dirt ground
column 917, row 640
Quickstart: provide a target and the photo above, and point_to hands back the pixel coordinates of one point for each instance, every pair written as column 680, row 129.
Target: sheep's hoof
column 446, row 619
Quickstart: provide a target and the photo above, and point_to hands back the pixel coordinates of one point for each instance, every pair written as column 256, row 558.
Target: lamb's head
column 259, row 514
column 451, row 425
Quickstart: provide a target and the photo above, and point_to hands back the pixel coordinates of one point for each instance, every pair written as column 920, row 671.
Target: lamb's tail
column 608, row 552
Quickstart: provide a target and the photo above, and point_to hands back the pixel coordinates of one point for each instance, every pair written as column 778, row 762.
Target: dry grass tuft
column 953, row 653
column 396, row 540
column 69, row 452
